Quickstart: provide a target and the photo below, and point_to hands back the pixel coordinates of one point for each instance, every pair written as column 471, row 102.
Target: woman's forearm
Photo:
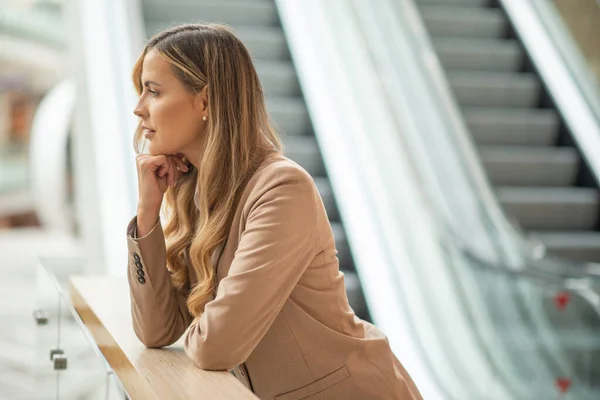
column 146, row 220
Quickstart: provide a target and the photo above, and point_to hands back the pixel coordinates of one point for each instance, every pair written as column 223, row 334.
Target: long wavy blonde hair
column 238, row 137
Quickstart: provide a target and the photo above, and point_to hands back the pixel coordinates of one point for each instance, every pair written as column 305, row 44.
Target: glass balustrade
column 69, row 363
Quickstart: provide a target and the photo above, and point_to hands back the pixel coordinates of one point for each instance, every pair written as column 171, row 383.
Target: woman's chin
column 154, row 149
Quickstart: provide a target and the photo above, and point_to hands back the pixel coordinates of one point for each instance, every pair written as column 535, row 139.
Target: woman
column 248, row 270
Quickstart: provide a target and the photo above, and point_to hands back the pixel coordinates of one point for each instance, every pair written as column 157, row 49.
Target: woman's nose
column 139, row 111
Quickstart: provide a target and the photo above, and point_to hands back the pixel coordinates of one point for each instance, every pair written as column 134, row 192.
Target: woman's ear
column 201, row 99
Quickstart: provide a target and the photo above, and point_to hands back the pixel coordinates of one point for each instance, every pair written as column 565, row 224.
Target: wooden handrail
column 103, row 304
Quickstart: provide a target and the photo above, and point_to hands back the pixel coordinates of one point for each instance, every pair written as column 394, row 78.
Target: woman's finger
column 163, row 169
column 168, row 173
column 180, row 164
column 154, row 163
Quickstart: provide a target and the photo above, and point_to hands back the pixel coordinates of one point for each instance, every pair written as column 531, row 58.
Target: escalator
column 543, row 313
column 257, row 24
column 491, row 322
column 527, row 149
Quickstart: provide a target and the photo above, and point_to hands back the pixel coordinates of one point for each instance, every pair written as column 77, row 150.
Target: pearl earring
column 204, row 118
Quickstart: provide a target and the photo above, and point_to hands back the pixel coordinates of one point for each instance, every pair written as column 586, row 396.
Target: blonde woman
column 246, row 263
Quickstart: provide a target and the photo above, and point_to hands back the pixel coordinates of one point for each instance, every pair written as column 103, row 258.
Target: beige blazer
column 280, row 319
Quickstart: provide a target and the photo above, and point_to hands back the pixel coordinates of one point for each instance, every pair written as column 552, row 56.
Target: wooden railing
column 103, row 304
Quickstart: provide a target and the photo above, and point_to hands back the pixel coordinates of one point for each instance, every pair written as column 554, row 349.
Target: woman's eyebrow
column 152, row 82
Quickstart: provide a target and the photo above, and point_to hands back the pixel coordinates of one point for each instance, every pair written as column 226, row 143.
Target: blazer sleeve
column 159, row 312
column 275, row 248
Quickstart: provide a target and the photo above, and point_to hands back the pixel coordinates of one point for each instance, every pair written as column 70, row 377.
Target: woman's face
column 170, row 113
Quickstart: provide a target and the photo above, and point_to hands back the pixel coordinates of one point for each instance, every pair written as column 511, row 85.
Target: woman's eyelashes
column 154, row 93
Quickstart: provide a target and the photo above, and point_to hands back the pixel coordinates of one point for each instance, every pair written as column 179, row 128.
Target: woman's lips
column 148, row 133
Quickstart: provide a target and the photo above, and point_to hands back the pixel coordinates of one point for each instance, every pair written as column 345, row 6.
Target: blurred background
column 455, row 143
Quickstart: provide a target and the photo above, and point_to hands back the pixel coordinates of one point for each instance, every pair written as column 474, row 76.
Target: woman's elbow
column 212, row 360
column 156, row 344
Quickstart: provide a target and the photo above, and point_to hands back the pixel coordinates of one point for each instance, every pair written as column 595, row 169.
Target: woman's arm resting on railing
column 276, row 247
column 160, row 314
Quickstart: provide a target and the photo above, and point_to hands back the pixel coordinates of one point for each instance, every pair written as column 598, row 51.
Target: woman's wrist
column 146, row 220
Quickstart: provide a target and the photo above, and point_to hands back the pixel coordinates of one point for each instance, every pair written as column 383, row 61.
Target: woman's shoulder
column 277, row 169
column 280, row 174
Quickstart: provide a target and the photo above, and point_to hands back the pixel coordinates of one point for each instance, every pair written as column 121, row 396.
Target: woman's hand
column 155, row 175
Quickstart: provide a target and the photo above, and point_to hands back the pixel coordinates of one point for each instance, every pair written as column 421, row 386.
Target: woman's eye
column 153, row 92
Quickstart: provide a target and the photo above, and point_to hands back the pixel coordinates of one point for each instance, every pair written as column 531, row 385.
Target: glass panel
column 47, row 315
column 87, row 375
column 79, row 371
column 514, row 334
column 546, row 333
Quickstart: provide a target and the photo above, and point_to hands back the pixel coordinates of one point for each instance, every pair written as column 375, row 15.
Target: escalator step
column 470, row 22
column 533, row 166
column 264, row 43
column 493, row 89
column 479, row 54
column 305, row 151
column 290, row 115
column 512, row 127
column 278, row 78
column 230, row 12
column 539, row 208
